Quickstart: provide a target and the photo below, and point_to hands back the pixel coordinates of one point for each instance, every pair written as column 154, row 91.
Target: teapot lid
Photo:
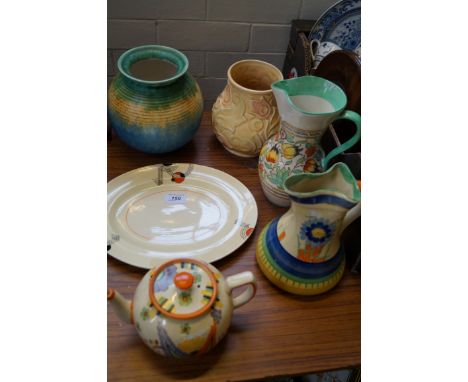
column 183, row 288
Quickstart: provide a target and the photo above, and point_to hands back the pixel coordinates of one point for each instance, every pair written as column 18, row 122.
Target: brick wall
column 212, row 33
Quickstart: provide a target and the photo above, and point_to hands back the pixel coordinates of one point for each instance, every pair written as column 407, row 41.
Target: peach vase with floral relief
column 245, row 114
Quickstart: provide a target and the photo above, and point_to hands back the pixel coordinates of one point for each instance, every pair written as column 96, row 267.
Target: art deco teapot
column 184, row 307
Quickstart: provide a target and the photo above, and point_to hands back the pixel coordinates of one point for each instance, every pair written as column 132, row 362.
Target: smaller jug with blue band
column 301, row 250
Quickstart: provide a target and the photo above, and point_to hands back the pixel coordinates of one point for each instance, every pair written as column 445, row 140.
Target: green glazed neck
column 312, row 86
column 337, row 181
column 128, row 58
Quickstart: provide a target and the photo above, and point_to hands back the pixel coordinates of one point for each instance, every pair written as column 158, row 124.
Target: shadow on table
column 186, row 368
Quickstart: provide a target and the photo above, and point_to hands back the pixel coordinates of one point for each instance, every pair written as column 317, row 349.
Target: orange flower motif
column 308, row 254
column 272, row 155
column 309, row 165
column 262, row 109
column 178, row 177
column 310, row 151
column 305, row 253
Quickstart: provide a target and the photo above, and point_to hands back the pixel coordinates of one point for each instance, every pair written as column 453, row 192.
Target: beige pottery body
column 245, row 114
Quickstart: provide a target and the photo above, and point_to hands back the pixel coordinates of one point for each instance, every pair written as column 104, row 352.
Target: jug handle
column 356, row 119
column 314, row 44
column 351, row 216
column 244, row 278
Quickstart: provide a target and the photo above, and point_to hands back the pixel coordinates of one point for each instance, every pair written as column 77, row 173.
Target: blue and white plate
column 340, row 25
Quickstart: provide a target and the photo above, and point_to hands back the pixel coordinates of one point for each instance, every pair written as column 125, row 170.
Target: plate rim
column 324, row 14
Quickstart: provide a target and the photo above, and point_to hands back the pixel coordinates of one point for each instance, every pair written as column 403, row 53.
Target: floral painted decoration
column 185, row 328
column 178, row 177
column 197, row 277
column 184, row 298
column 246, row 230
column 285, row 155
column 165, row 278
column 289, row 150
column 317, row 231
column 309, row 165
column 148, row 313
column 272, row 155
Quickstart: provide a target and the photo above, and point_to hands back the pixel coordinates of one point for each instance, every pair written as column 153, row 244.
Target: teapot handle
column 244, row 278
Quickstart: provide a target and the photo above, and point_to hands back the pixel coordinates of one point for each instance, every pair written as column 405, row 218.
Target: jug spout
column 336, row 185
column 308, row 102
column 289, row 112
column 280, row 91
column 121, row 306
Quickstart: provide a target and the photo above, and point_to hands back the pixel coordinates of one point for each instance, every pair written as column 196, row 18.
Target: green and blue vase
column 155, row 116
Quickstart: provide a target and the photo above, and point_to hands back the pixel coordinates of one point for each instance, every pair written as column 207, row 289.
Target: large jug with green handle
column 307, row 105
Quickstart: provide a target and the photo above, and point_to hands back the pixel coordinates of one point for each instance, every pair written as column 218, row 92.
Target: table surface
column 275, row 334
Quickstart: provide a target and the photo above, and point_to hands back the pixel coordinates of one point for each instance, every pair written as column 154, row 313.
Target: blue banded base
column 291, row 274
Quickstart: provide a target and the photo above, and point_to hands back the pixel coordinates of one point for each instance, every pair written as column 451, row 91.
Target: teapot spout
column 122, row 307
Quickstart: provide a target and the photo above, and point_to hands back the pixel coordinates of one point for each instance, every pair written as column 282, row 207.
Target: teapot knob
column 183, row 280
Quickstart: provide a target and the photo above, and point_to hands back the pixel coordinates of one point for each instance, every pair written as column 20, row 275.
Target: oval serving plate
column 167, row 211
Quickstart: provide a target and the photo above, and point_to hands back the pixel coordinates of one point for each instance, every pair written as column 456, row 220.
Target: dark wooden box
column 298, row 60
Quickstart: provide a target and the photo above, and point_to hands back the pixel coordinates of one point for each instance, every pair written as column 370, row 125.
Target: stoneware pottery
column 245, row 114
column 167, row 211
column 340, row 27
column 343, row 68
column 154, row 104
column 307, row 106
column 184, row 307
column 300, row 251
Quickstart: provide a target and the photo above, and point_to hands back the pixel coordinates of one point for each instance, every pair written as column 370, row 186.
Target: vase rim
column 161, row 52
column 234, row 83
